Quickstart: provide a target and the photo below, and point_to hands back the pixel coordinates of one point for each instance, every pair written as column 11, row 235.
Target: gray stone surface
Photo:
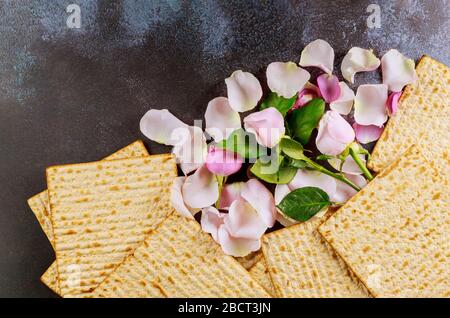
column 74, row 95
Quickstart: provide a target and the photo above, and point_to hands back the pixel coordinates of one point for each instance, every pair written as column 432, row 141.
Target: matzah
column 395, row 233
column 302, row 265
column 422, row 118
column 260, row 273
column 101, row 211
column 178, row 259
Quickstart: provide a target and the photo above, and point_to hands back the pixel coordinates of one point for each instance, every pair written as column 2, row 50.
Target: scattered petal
column 223, row 162
column 159, row 124
column 392, row 103
column 286, row 79
column 349, row 166
column 312, row 178
column 344, row 192
column 220, row 119
column 191, row 149
column 334, row 134
column 244, row 91
column 358, row 60
column 309, row 92
column 261, row 199
column 329, row 87
column 397, row 70
column 243, row 221
column 200, row 189
column 211, row 220
column 343, row 105
column 177, row 201
column 267, row 125
column 370, row 104
column 237, row 247
column 318, row 53
column 230, row 193
column 366, row 134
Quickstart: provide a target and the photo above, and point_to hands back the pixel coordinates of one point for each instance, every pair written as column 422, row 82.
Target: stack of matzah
column 96, row 215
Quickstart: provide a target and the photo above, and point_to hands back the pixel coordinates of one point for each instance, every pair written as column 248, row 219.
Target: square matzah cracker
column 39, row 206
column 395, row 233
column 302, row 265
column 178, row 259
column 260, row 273
column 101, row 211
column 423, row 113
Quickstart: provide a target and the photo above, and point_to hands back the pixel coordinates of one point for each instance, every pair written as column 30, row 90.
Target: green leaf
column 303, row 120
column 282, row 104
column 324, row 157
column 299, row 164
column 303, row 203
column 281, row 175
column 243, row 143
column 292, row 148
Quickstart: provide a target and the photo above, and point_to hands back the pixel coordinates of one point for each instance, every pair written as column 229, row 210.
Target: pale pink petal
column 220, row 119
column 284, row 220
column 343, row 105
column 366, row 134
column 397, row 70
column 286, row 79
column 267, row 125
column 159, row 124
column 200, row 189
column 392, row 103
column 211, row 220
column 177, row 201
column 370, row 104
column 344, row 192
column 329, row 87
column 261, row 199
column 312, row 178
column 243, row 221
column 309, row 92
column 318, row 54
column 237, row 247
column 358, row 60
column 244, row 91
column 349, row 165
column 190, row 149
column 223, row 162
column 334, row 134
column 230, row 193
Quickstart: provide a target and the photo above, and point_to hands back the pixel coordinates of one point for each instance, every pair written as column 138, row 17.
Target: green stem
column 361, row 165
column 324, row 170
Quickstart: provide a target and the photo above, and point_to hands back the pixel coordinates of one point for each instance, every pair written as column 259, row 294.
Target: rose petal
column 358, row 60
column 318, row 53
column 243, row 221
column 230, row 193
column 392, row 103
column 309, row 92
column 261, row 199
column 344, row 192
column 267, row 125
column 397, row 70
column 334, row 134
column 370, row 104
column 244, row 91
column 159, row 124
column 191, row 149
column 312, row 178
column 349, row 166
column 237, row 247
column 220, row 119
column 223, row 162
column 286, row 79
column 343, row 105
column 200, row 189
column 211, row 220
column 329, row 87
column 177, row 201
column 366, row 134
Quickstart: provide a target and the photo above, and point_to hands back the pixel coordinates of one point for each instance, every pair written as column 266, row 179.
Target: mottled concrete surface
column 73, row 95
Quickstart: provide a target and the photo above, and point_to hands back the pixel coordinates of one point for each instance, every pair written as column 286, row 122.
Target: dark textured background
column 74, row 95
